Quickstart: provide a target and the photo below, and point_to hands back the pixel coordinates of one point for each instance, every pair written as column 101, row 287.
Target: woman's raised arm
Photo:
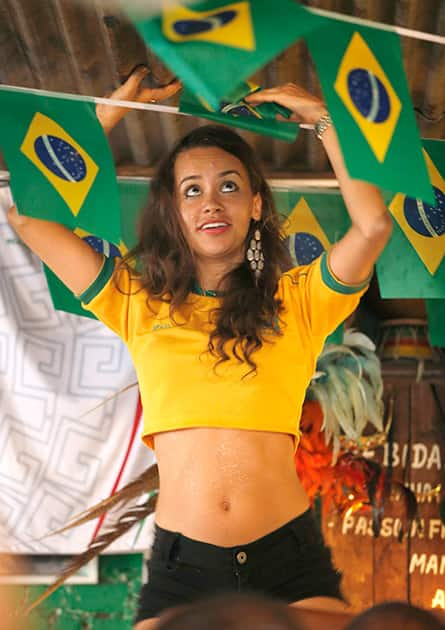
column 67, row 255
column 351, row 259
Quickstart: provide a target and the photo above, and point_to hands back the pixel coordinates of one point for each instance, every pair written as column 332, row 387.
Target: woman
column 224, row 341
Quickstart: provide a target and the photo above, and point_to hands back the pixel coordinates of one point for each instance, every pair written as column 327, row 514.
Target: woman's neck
column 212, row 276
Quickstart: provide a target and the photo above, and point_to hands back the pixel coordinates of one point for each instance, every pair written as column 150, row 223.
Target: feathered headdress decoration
column 146, row 484
column 343, row 417
column 348, row 385
column 351, row 483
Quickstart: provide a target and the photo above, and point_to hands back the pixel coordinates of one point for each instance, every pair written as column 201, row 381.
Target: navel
column 225, row 504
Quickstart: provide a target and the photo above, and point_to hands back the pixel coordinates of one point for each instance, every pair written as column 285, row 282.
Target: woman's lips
column 214, row 228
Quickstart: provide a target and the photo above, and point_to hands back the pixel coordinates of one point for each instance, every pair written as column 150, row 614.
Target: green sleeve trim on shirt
column 334, row 283
column 102, row 278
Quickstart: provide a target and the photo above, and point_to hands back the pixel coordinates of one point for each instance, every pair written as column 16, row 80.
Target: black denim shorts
column 291, row 563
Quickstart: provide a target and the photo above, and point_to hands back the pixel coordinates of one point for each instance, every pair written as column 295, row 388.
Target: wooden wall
column 413, row 569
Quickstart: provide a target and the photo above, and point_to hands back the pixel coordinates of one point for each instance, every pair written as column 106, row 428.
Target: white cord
column 400, row 30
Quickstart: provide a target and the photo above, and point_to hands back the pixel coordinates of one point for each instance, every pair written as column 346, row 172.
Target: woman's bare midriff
column 227, row 486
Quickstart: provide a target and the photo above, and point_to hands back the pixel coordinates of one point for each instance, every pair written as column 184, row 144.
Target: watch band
column 322, row 124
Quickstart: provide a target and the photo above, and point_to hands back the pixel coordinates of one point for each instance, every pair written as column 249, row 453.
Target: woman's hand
column 305, row 107
column 16, row 219
column 131, row 90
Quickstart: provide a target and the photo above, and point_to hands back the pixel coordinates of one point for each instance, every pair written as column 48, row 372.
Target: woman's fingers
column 292, row 118
column 109, row 116
column 153, row 95
column 288, row 92
column 15, row 218
column 129, row 89
column 285, row 95
column 12, row 212
column 262, row 96
column 305, row 106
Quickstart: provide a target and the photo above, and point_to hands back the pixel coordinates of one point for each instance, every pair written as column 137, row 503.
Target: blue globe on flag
column 60, row 157
column 194, row 27
column 307, row 248
column 369, row 95
column 236, row 109
column 424, row 219
column 103, row 247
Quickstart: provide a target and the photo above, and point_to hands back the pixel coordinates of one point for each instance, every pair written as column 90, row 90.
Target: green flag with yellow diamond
column 236, row 112
column 413, row 263
column 314, row 223
column 281, row 200
column 423, row 224
column 213, row 46
column 436, row 317
column 60, row 163
column 364, row 84
column 133, row 197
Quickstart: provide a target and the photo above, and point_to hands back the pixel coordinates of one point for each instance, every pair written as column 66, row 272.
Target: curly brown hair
column 249, row 309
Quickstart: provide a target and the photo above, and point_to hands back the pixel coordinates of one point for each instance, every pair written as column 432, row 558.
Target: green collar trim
column 200, row 291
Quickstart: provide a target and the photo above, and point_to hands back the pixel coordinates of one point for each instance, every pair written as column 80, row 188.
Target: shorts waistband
column 170, row 545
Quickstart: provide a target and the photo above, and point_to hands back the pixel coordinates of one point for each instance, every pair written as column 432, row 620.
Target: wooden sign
column 401, row 564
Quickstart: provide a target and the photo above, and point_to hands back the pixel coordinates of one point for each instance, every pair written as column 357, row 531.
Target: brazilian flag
column 314, row 223
column 413, row 263
column 307, row 239
column 236, row 112
column 281, row 200
column 364, row 84
column 436, row 317
column 133, row 197
column 213, row 46
column 60, row 163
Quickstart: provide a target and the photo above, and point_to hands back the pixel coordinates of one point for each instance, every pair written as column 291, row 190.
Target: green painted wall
column 110, row 604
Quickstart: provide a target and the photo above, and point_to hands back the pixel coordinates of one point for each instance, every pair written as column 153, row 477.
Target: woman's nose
column 212, row 203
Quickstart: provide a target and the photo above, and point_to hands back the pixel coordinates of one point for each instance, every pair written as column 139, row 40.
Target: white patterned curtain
column 54, row 367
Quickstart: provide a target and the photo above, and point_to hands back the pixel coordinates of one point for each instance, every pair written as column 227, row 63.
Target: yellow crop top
column 178, row 384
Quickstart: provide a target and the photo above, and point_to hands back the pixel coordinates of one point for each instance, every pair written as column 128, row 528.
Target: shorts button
column 241, row 557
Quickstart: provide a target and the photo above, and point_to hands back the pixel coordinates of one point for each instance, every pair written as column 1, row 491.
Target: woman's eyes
column 192, row 191
column 226, row 186
column 229, row 186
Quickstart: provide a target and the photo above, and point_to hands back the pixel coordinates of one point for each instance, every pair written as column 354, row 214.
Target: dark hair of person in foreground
column 396, row 616
column 231, row 611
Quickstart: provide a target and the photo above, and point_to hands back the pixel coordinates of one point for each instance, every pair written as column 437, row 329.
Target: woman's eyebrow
column 230, row 172
column 189, row 177
column 222, row 174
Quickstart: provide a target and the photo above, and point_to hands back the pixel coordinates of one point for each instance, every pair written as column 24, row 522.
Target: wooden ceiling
column 89, row 47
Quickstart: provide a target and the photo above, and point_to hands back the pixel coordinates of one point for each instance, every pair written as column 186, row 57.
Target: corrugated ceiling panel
column 89, row 47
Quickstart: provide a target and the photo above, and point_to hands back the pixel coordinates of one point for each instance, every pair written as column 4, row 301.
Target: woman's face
column 215, row 202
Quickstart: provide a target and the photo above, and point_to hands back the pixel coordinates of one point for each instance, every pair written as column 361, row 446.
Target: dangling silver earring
column 255, row 254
